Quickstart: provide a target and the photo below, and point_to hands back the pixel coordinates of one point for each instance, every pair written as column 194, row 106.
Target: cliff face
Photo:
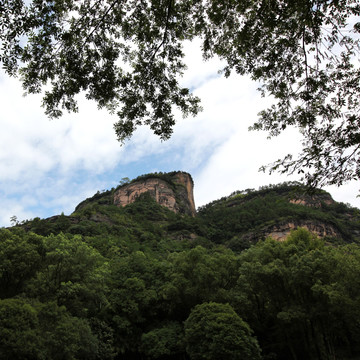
column 281, row 231
column 245, row 217
column 185, row 180
column 175, row 191
column 313, row 200
column 242, row 218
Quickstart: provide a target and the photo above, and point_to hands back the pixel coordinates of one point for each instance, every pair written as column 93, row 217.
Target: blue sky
column 48, row 167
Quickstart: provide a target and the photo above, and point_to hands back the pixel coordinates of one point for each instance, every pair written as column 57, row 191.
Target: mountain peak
column 173, row 190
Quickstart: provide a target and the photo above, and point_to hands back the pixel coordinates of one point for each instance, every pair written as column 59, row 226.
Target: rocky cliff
column 172, row 190
column 238, row 220
column 245, row 217
column 312, row 200
column 282, row 230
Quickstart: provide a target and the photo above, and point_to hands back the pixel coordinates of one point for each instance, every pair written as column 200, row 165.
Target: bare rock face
column 281, row 231
column 313, row 200
column 172, row 190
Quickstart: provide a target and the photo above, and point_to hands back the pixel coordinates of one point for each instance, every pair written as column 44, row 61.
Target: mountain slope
column 133, row 282
column 241, row 219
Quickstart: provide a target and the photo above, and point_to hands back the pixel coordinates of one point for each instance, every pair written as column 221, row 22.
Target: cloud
column 85, row 140
column 48, row 167
column 236, row 163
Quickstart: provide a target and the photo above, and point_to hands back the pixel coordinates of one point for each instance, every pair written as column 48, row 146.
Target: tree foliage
column 33, row 330
column 293, row 287
column 215, row 332
column 141, row 287
column 127, row 55
column 166, row 340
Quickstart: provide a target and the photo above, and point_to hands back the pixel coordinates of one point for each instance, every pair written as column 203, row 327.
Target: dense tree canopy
column 215, row 332
column 142, row 283
column 296, row 299
column 127, row 55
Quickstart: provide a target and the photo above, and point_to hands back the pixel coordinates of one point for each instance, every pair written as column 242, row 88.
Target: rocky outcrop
column 316, row 200
column 186, row 180
column 281, row 231
column 172, row 190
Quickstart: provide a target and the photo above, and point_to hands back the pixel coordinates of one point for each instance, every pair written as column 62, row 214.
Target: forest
column 142, row 282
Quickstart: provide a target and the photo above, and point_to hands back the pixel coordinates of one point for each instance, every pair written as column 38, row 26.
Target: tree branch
column 169, row 8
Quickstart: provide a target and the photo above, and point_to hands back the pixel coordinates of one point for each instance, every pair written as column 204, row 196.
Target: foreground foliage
column 127, row 56
column 138, row 285
column 214, row 331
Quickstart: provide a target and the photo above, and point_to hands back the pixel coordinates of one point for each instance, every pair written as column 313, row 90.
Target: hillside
column 133, row 281
column 238, row 220
column 173, row 190
column 275, row 210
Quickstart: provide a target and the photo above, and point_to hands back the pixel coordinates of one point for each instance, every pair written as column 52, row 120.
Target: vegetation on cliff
column 251, row 214
column 107, row 196
column 142, row 282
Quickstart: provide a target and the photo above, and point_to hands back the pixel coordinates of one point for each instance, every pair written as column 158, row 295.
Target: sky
column 48, row 166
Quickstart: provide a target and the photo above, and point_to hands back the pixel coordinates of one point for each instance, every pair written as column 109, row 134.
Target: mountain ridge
column 174, row 182
column 132, row 282
column 245, row 216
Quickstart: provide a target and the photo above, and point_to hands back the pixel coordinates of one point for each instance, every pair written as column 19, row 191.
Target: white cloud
column 198, row 71
column 235, row 165
column 47, row 167
column 29, row 141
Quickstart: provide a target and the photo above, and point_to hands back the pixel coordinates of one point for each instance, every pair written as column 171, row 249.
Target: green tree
column 197, row 276
column 73, row 273
column 14, row 220
column 304, row 292
column 18, row 330
column 20, row 258
column 302, row 52
column 214, row 331
column 124, row 181
column 166, row 340
column 33, row 330
column 136, row 280
column 64, row 337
